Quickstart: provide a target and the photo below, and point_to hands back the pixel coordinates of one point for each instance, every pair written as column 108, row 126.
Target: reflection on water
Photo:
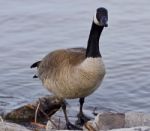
column 31, row 29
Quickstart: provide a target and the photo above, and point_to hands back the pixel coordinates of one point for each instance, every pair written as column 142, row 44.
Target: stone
column 133, row 119
column 106, row 121
column 6, row 126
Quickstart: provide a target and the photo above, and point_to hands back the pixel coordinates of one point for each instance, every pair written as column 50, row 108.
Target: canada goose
column 75, row 72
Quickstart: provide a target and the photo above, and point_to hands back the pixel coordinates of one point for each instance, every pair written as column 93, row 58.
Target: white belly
column 79, row 81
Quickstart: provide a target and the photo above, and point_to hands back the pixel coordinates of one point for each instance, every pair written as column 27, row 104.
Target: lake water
column 29, row 29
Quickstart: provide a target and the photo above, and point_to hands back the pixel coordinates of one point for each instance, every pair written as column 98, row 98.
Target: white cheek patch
column 95, row 20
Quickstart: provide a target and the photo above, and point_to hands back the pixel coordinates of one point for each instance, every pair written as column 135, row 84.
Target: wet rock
column 48, row 105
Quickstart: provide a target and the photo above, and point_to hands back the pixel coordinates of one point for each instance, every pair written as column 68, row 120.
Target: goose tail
column 36, row 64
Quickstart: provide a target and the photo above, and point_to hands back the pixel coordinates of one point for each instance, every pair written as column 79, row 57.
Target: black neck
column 93, row 42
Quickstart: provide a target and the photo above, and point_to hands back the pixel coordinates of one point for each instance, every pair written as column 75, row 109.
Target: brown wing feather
column 54, row 61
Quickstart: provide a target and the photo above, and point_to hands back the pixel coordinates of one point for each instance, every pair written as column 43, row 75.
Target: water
column 32, row 28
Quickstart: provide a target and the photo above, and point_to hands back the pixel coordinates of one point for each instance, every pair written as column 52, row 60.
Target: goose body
column 67, row 73
column 75, row 72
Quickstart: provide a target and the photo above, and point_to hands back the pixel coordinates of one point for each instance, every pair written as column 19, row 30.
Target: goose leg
column 81, row 117
column 69, row 125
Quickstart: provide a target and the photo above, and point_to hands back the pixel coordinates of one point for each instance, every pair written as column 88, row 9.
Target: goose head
column 101, row 17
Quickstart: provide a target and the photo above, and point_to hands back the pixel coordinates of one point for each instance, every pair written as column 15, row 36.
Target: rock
column 48, row 106
column 106, row 121
column 133, row 119
column 50, row 126
column 144, row 128
column 130, row 121
column 5, row 126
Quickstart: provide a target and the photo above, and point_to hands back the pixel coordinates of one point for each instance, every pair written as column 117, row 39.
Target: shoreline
column 46, row 107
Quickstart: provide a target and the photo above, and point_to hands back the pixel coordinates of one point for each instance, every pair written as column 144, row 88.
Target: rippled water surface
column 29, row 29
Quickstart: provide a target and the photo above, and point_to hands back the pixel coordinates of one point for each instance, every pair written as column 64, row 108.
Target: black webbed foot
column 72, row 127
column 82, row 119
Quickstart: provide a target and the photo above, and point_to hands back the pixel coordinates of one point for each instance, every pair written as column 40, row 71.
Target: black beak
column 104, row 21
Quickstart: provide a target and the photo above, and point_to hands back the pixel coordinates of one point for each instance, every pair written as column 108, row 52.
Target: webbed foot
column 82, row 119
column 72, row 127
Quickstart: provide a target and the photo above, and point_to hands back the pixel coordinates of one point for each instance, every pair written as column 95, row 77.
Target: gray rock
column 6, row 126
column 106, row 121
column 144, row 128
column 133, row 119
